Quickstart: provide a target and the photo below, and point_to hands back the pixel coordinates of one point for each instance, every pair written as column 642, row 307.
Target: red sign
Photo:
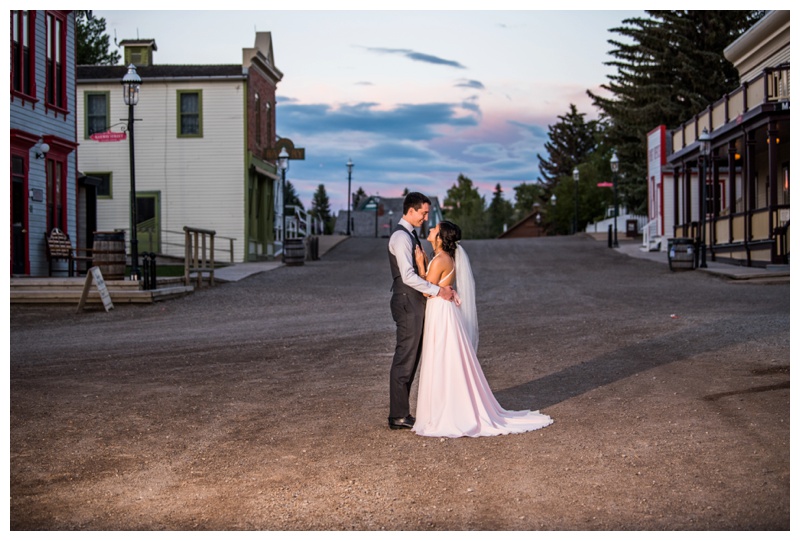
column 107, row 136
column 605, row 184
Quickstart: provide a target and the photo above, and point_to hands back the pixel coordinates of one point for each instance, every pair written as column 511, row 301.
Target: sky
column 413, row 97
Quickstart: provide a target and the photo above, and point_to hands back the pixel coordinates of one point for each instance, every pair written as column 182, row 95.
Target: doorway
column 148, row 216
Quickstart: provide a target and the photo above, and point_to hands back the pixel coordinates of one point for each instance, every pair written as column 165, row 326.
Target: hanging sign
column 605, row 184
column 109, row 136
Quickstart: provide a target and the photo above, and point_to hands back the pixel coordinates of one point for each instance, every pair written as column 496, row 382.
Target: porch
column 730, row 168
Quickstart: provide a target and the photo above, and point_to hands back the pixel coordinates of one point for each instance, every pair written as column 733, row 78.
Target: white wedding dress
column 454, row 397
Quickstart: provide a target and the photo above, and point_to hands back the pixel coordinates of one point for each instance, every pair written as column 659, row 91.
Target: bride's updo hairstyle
column 450, row 234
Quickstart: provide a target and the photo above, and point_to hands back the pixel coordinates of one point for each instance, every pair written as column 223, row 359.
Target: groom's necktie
column 416, row 238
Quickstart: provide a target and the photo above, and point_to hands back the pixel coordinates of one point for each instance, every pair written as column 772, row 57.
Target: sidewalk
column 240, row 271
column 634, row 248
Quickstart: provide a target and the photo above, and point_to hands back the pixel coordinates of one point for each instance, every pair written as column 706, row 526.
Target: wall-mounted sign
column 109, row 136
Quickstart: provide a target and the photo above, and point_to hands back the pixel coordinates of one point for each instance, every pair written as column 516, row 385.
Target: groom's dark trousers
column 408, row 312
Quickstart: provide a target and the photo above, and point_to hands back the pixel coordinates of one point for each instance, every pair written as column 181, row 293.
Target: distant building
column 44, row 173
column 377, row 217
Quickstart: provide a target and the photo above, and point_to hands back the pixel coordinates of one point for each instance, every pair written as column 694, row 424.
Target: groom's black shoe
column 401, row 422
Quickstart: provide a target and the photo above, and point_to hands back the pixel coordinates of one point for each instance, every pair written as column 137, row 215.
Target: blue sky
column 413, row 97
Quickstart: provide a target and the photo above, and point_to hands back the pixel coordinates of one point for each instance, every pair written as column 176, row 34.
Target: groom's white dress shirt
column 401, row 246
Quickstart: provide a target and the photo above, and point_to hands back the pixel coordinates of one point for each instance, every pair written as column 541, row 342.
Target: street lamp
column 283, row 164
column 350, row 165
column 615, row 171
column 377, row 206
column 130, row 93
column 705, row 155
column 576, row 175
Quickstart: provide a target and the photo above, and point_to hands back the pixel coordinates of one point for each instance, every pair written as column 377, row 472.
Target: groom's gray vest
column 398, row 286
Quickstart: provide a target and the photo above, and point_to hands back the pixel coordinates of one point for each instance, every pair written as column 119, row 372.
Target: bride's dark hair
column 450, row 234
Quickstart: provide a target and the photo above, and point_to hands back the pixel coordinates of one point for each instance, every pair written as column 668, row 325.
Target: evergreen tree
column 525, row 197
column 321, row 208
column 669, row 67
column 292, row 198
column 571, row 140
column 359, row 196
column 500, row 213
column 92, row 41
column 467, row 209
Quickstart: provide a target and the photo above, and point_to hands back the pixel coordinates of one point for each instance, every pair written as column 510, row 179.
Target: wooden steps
column 69, row 290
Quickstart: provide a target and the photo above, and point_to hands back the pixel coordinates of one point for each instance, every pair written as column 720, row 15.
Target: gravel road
column 261, row 404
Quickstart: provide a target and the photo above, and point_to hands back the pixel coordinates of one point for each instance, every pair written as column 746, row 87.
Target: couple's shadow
column 614, row 366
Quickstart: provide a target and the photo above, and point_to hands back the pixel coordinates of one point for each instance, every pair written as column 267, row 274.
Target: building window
column 22, row 53
column 97, row 105
column 103, row 188
column 56, row 194
column 55, row 67
column 190, row 113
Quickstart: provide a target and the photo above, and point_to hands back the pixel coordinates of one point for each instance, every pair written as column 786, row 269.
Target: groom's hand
column 446, row 293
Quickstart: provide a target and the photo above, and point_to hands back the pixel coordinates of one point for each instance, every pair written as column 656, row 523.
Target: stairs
column 69, row 290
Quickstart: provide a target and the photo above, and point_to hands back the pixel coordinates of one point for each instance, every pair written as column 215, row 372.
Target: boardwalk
column 262, row 403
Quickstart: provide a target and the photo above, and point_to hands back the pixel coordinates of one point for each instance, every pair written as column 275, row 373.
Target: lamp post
column 377, row 206
column 705, row 156
column 614, row 172
column 350, row 165
column 130, row 93
column 576, row 175
column 283, row 164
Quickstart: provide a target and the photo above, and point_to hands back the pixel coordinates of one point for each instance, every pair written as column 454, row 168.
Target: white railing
column 298, row 226
column 650, row 238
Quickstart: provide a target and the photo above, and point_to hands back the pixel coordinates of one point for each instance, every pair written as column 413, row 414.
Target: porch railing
column 164, row 242
column 772, row 85
column 300, row 224
column 199, row 255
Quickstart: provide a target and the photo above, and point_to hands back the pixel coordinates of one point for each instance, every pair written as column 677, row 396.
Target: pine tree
column 92, row 43
column 571, row 140
column 670, row 66
column 321, row 208
column 359, row 196
column 292, row 199
column 499, row 213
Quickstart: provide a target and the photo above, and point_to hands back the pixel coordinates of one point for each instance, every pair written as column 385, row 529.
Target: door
column 19, row 217
column 148, row 216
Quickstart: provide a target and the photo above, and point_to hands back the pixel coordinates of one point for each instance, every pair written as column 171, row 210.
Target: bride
column 454, row 397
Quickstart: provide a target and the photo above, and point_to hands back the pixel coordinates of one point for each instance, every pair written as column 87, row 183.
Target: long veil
column 465, row 286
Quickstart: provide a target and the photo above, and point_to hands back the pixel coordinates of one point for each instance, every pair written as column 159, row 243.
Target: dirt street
column 261, row 404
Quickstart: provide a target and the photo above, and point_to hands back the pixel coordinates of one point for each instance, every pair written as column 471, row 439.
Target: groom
column 408, row 306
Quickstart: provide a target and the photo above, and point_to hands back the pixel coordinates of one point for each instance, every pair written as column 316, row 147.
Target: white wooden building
column 203, row 135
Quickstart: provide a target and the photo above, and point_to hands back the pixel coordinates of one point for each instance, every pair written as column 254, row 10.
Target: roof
column 105, row 73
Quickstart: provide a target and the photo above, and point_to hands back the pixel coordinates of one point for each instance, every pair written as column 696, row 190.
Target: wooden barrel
column 294, row 252
column 108, row 253
column 681, row 254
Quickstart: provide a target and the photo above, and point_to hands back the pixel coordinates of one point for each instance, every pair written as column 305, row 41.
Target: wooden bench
column 59, row 248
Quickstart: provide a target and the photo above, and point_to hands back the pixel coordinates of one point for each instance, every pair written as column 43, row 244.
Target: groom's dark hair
column 414, row 200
